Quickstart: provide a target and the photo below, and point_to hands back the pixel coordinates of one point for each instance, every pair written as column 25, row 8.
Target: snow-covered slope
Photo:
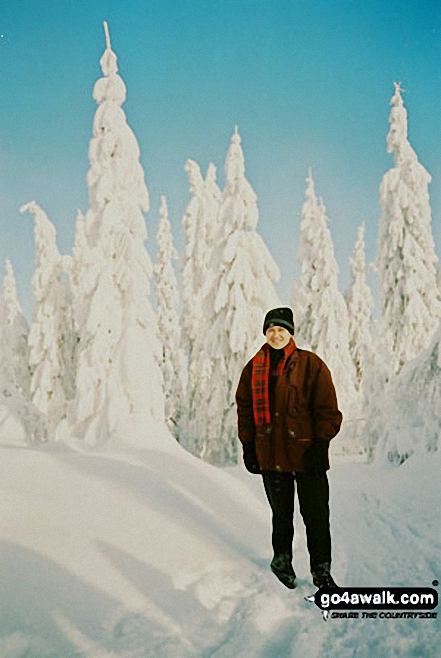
column 155, row 553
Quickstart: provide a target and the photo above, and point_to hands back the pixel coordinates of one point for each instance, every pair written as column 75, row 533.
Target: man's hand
column 316, row 457
column 250, row 458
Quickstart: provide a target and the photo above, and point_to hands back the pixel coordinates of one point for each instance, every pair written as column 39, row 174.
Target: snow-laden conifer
column 360, row 305
column 211, row 202
column 200, row 223
column 407, row 263
column 413, row 422
column 376, row 403
column 320, row 312
column 15, row 331
column 118, row 377
column 167, row 301
column 50, row 336
column 83, row 272
column 21, row 422
column 239, row 290
column 192, row 275
column 200, row 227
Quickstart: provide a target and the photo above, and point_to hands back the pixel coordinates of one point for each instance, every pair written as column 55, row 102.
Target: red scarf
column 259, row 380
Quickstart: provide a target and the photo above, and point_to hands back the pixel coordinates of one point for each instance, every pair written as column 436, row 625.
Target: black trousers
column 313, row 495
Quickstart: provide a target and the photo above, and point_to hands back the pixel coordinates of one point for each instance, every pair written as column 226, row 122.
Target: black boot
column 281, row 567
column 321, row 576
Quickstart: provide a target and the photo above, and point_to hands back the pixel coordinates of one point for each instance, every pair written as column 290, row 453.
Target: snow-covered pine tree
column 320, row 312
column 21, row 422
column 118, row 383
column 413, row 423
column 192, row 276
column 360, row 305
column 83, row 272
column 211, row 199
column 407, row 264
column 376, row 403
column 15, row 332
column 200, row 226
column 238, row 292
column 167, row 301
column 50, row 336
column 191, row 285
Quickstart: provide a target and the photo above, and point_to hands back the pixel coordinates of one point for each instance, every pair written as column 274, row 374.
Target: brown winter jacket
column 304, row 408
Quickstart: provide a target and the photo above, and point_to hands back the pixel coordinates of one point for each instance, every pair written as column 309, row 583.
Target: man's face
column 277, row 337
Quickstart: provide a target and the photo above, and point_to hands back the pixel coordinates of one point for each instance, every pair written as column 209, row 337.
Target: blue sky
column 307, row 81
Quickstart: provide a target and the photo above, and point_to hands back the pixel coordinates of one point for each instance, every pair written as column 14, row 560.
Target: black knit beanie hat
column 279, row 317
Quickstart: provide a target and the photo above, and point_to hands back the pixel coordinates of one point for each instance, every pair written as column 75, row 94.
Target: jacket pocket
column 264, row 444
column 299, row 429
column 294, row 445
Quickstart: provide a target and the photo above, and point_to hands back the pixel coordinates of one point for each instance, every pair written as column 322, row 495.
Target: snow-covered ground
column 133, row 553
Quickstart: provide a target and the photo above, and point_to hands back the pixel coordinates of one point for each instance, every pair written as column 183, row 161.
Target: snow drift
column 155, row 553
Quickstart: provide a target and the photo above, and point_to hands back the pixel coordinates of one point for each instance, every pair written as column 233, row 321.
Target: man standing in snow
column 287, row 414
